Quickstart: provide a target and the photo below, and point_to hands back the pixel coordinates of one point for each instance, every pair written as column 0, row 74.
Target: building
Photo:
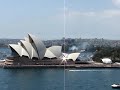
column 32, row 51
column 106, row 60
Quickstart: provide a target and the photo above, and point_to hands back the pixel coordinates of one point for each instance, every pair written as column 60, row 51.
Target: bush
column 110, row 52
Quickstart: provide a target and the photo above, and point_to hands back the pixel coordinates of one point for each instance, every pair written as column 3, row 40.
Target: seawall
column 63, row 66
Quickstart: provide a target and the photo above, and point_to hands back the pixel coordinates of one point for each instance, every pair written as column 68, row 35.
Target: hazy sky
column 44, row 18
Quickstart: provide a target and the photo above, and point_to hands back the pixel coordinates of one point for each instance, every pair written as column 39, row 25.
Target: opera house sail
column 32, row 51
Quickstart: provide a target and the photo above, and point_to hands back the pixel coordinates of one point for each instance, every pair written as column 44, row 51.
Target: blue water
column 53, row 79
column 4, row 52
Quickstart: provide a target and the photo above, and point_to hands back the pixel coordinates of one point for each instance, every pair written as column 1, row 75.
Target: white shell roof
column 38, row 46
column 49, row 54
column 56, row 50
column 33, row 47
column 73, row 56
column 19, row 49
column 16, row 48
column 24, row 53
column 28, row 47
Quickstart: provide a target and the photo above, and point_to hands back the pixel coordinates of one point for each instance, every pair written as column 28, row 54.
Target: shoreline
column 76, row 66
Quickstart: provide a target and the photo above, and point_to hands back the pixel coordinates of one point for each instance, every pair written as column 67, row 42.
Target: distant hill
column 5, row 42
column 78, row 42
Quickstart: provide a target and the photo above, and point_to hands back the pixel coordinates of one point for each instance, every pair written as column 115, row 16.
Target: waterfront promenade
column 93, row 65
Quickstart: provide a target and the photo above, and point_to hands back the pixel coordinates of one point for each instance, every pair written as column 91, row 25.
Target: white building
column 106, row 60
column 32, row 47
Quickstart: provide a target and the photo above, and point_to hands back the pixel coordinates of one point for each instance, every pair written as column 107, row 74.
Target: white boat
column 115, row 86
column 2, row 60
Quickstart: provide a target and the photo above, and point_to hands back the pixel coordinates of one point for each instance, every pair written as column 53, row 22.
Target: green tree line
column 107, row 52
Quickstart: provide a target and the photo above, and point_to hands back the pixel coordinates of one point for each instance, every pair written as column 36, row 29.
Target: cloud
column 90, row 24
column 116, row 2
column 105, row 14
column 110, row 13
column 78, row 13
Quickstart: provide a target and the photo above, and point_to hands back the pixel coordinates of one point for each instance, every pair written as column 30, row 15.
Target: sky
column 45, row 19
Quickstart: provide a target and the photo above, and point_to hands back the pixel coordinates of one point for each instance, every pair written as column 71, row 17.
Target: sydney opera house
column 32, row 51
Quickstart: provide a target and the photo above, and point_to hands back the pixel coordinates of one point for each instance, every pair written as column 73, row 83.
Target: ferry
column 115, row 85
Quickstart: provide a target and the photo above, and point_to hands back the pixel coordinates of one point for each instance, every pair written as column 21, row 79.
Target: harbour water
column 53, row 79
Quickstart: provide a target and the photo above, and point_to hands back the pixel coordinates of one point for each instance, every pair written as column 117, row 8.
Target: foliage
column 110, row 52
